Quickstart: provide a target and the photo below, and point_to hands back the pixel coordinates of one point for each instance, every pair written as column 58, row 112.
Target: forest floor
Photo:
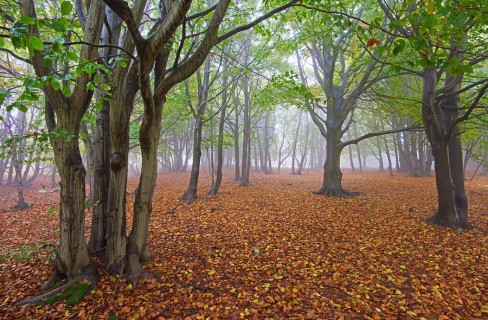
column 271, row 250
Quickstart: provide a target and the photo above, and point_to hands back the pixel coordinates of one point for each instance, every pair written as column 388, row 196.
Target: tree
column 64, row 111
column 220, row 141
column 343, row 77
column 154, row 50
column 445, row 52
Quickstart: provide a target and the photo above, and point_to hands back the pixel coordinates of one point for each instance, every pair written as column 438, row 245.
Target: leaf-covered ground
column 272, row 250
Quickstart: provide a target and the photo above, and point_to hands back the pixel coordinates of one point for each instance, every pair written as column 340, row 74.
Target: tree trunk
column 457, row 173
column 101, row 180
column 421, row 152
column 301, row 163
column 35, row 174
column 266, row 144
column 295, row 143
column 15, row 128
column 434, row 124
column 116, row 238
column 148, row 137
column 89, row 156
column 237, row 167
column 428, row 161
column 53, row 176
column 450, row 107
column 246, row 141
column 351, row 160
column 73, row 255
column 332, row 181
column 10, row 176
column 388, row 156
column 380, row 155
column 358, row 150
column 258, row 153
column 21, row 204
column 191, row 192
column 220, row 141
column 447, row 214
column 3, row 167
column 413, row 160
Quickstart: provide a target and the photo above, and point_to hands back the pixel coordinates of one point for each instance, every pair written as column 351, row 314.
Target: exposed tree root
column 89, row 273
column 443, row 221
column 97, row 252
column 134, row 271
column 53, row 279
column 446, row 222
column 20, row 207
column 465, row 225
column 189, row 197
column 336, row 192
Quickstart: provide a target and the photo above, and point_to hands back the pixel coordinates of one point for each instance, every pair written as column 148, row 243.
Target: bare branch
column 376, row 134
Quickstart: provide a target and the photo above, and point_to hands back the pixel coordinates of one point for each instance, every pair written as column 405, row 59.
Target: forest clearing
column 272, row 250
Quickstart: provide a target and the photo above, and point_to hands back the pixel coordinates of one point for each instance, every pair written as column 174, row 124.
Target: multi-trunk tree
column 64, row 111
column 444, row 52
column 149, row 61
column 344, row 73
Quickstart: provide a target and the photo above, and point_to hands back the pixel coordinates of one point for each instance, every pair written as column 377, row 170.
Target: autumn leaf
column 319, row 257
column 373, row 41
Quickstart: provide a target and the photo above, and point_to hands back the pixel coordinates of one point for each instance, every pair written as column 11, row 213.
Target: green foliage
column 433, row 27
column 213, row 139
column 56, row 26
column 35, row 141
column 23, row 253
column 110, row 317
column 283, row 89
column 73, row 295
column 66, row 8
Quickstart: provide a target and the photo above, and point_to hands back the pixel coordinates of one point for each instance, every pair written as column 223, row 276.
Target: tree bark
column 191, row 192
column 237, row 165
column 332, row 182
column 434, row 124
column 73, row 255
column 220, row 142
column 388, row 156
column 101, row 180
column 246, row 141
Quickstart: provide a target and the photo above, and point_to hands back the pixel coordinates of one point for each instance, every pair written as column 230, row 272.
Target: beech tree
column 64, row 110
column 344, row 73
column 154, row 50
column 443, row 54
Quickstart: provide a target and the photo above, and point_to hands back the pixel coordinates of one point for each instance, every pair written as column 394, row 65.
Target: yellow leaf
column 430, row 6
column 484, row 309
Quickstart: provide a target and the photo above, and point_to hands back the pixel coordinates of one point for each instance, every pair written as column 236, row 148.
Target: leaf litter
column 272, row 250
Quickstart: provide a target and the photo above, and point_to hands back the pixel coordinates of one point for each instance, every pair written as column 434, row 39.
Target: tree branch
column 466, row 115
column 255, row 22
column 376, row 134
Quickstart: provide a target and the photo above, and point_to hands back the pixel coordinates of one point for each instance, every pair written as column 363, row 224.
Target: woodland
column 243, row 159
